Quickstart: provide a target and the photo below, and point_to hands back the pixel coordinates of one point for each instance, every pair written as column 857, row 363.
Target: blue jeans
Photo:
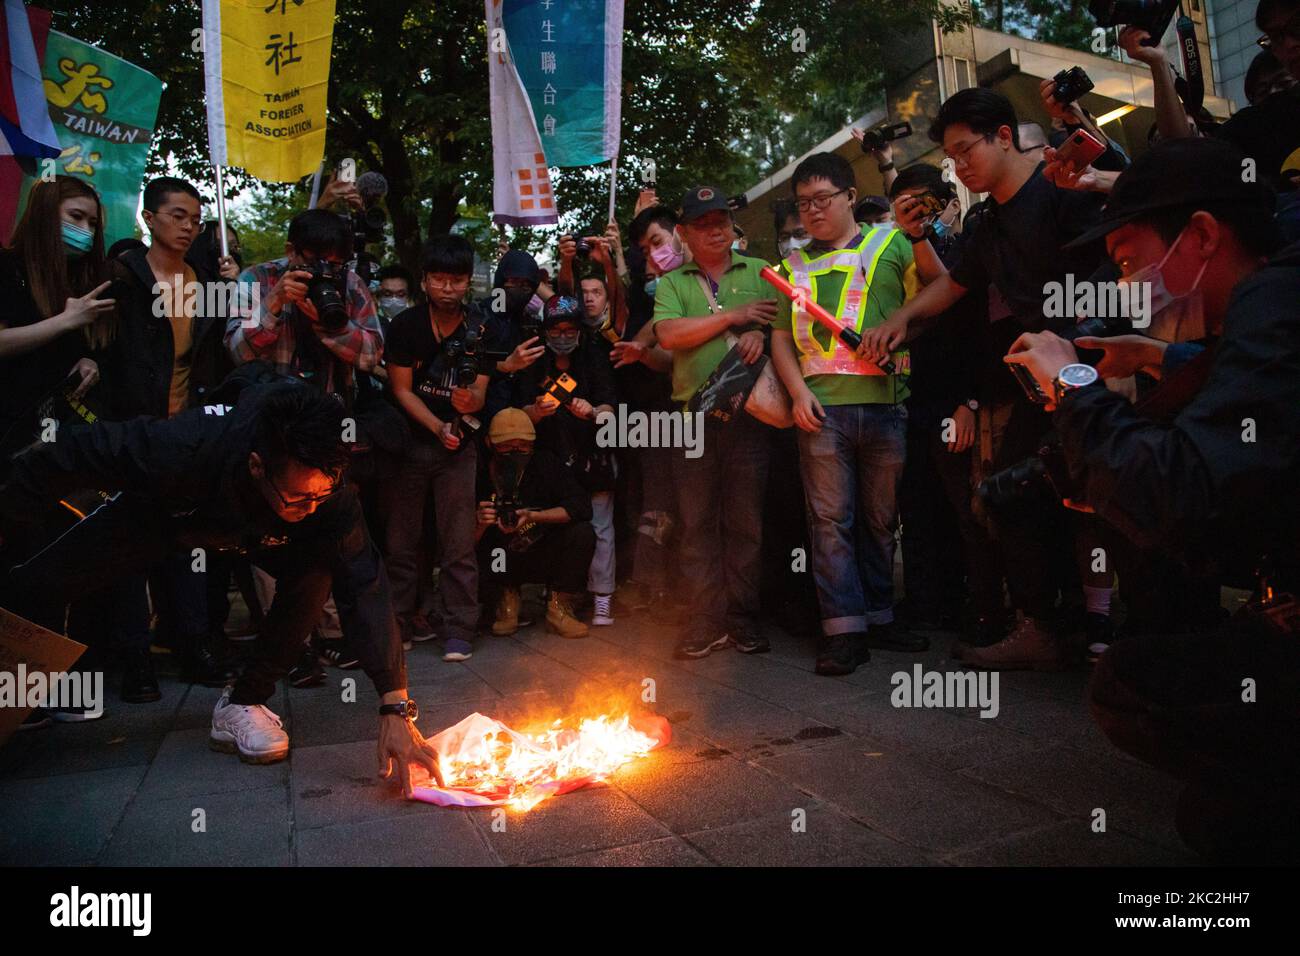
column 851, row 469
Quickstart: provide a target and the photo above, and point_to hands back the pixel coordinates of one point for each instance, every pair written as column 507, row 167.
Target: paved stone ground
column 755, row 738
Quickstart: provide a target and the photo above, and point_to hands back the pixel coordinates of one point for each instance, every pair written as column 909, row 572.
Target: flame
column 522, row 769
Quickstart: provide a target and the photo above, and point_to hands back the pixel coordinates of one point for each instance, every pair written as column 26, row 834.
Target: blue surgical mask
column 940, row 230
column 77, row 240
column 651, row 285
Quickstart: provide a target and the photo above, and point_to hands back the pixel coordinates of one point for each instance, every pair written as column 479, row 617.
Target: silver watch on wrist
column 1072, row 377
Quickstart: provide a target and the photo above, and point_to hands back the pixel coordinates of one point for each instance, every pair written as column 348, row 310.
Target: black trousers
column 943, row 542
column 559, row 560
column 130, row 534
column 1032, row 533
column 1220, row 712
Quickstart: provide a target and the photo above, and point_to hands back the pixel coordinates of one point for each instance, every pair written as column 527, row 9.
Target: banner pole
column 315, row 186
column 221, row 212
column 613, row 182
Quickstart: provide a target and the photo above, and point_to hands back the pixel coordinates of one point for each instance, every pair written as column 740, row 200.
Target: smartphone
column 557, row 391
column 1081, row 149
column 930, row 203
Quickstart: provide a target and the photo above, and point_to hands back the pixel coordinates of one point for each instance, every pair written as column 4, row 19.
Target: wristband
column 885, row 168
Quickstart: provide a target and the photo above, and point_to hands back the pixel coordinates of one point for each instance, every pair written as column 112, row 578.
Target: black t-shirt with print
column 412, row 344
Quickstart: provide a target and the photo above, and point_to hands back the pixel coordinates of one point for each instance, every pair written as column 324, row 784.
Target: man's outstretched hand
column 400, row 745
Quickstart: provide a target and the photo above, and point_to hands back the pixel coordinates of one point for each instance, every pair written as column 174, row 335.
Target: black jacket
column 1217, row 487
column 139, row 363
column 193, row 468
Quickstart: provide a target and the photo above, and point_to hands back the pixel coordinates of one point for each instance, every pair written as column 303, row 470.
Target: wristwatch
column 1071, row 378
column 403, row 708
column 914, row 240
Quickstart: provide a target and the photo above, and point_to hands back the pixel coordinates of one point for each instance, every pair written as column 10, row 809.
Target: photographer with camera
column 563, row 395
column 1017, row 248
column 1210, row 487
column 312, row 317
column 533, row 511
column 440, row 381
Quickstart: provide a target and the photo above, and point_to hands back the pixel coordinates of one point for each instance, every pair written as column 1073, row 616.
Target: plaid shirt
column 261, row 335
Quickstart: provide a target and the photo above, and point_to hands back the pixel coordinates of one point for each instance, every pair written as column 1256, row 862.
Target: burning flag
column 484, row 763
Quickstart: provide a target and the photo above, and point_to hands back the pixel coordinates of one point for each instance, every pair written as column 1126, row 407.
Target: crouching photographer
column 1214, row 486
column 534, row 526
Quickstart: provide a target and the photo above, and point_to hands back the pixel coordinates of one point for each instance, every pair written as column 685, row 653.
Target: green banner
column 104, row 110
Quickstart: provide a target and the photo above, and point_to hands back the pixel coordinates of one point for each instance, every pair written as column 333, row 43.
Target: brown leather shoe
column 560, row 618
column 507, row 619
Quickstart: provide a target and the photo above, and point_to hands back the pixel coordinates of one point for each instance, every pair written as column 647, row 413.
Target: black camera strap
column 1190, row 87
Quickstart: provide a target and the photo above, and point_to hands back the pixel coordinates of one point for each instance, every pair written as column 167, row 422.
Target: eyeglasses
column 448, row 282
column 306, row 499
column 818, row 202
column 1289, row 29
column 961, row 157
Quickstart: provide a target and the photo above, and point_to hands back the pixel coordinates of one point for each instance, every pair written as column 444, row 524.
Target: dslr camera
column 1153, row 16
column 1042, row 476
column 463, row 358
column 1069, row 85
column 326, row 290
column 876, row 138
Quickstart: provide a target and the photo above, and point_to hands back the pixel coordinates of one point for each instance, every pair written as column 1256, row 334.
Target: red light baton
column 846, row 335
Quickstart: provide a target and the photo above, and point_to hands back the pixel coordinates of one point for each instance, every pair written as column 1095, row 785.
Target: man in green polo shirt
column 851, row 418
column 720, row 493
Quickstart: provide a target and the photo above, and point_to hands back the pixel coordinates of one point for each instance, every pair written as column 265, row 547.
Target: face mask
column 787, row 246
column 517, row 300
column 651, row 285
column 392, row 304
column 666, row 257
column 535, row 304
column 77, row 240
column 562, row 344
column 940, row 229
column 735, row 246
column 506, row 469
column 1174, row 318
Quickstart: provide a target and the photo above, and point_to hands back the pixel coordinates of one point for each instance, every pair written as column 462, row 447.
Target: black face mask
column 507, row 470
column 517, row 300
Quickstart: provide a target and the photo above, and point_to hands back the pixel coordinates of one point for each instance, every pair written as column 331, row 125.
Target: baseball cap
column 1178, row 173
column 509, row 424
column 703, row 199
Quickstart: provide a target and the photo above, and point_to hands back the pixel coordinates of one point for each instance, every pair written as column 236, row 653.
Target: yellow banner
column 267, row 64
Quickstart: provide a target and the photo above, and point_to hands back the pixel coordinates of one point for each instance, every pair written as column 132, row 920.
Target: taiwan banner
column 267, row 65
column 104, row 110
column 555, row 73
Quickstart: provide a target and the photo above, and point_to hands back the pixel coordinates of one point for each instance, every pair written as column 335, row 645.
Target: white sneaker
column 601, row 615
column 251, row 731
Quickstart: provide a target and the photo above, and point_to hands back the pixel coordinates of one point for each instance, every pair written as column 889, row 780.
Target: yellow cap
column 510, row 424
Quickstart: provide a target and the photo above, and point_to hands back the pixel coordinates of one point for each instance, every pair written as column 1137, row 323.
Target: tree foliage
column 720, row 91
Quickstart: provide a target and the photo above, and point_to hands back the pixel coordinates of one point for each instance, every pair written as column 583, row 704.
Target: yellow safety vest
column 860, row 265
